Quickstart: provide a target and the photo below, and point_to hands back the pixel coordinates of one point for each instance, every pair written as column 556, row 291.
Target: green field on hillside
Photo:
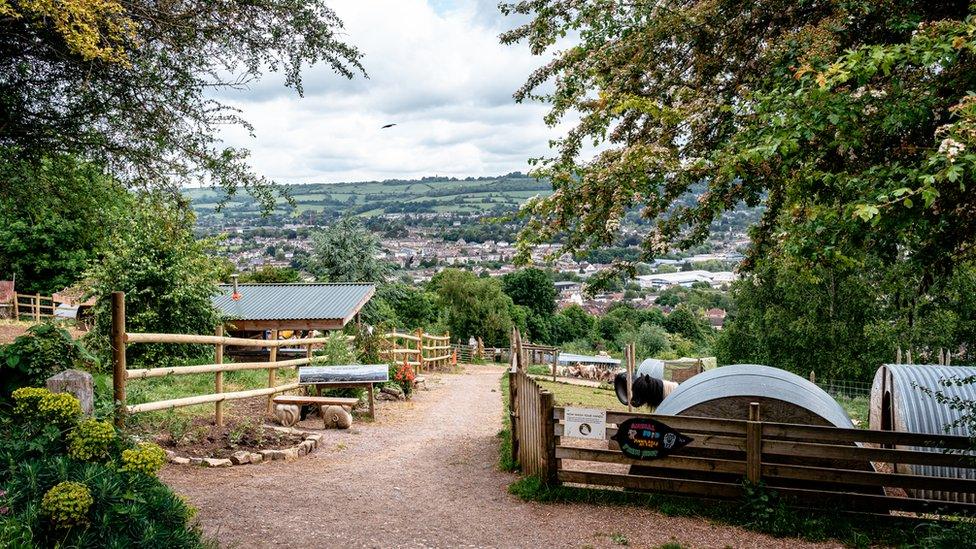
column 488, row 196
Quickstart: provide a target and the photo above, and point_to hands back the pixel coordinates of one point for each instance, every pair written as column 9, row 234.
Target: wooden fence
column 811, row 466
column 121, row 375
column 420, row 350
column 33, row 306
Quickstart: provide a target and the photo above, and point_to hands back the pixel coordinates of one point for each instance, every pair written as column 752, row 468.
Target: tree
column 650, row 340
column 402, row 306
column 270, row 274
column 685, row 323
column 167, row 276
column 850, row 122
column 346, row 252
column 534, row 289
column 473, row 306
column 55, row 218
column 133, row 85
column 571, row 323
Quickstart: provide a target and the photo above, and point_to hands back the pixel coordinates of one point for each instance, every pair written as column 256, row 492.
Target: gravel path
column 422, row 475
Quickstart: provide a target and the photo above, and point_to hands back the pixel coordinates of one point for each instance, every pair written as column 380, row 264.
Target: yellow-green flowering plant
column 147, row 458
column 67, row 504
column 91, row 440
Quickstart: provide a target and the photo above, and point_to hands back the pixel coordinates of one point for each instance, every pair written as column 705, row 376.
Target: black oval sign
column 644, row 438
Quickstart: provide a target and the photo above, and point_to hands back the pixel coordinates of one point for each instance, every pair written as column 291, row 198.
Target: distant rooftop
column 293, row 301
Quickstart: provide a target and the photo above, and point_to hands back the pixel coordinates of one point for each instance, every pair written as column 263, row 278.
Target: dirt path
column 422, row 475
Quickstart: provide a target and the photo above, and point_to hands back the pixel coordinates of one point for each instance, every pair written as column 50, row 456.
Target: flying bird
column 387, row 126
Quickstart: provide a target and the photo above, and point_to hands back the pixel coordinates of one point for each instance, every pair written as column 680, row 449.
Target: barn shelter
column 251, row 308
column 726, row 392
column 905, row 398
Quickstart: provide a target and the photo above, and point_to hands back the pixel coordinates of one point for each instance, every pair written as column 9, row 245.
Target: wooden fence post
column 753, row 444
column 420, row 350
column 118, row 356
column 447, row 361
column 513, row 412
column 555, row 363
column 16, row 305
column 548, row 437
column 272, row 372
column 630, row 376
column 37, row 307
column 219, row 378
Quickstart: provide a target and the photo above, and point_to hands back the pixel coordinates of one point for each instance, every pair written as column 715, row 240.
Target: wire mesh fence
column 845, row 387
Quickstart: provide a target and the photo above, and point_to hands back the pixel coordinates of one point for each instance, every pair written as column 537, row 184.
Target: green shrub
column 36, row 404
column 147, row 458
column 43, row 351
column 49, row 497
column 91, row 440
column 67, row 504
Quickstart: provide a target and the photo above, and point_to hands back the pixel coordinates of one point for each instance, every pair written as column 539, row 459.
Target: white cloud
column 437, row 71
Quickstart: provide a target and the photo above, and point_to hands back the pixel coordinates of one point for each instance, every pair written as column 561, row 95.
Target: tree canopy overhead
column 852, row 122
column 131, row 85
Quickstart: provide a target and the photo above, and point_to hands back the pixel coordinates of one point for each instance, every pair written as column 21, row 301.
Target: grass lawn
column 165, row 388
column 566, row 394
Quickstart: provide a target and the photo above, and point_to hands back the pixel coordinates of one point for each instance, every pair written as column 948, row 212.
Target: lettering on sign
column 645, row 438
column 585, row 423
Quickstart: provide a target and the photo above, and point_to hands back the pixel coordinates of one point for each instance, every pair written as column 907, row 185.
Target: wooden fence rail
column 876, row 472
column 34, row 306
column 419, row 349
column 121, row 374
column 812, row 465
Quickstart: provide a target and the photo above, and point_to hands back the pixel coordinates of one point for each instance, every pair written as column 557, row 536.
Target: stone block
column 256, row 458
column 240, row 457
column 290, row 454
column 177, row 460
column 215, row 462
column 77, row 383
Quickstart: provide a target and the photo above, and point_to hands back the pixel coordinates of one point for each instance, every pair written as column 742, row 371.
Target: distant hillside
column 487, row 195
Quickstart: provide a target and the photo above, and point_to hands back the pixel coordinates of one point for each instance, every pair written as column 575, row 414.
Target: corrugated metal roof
column 916, row 411
column 652, row 367
column 570, row 358
column 293, row 301
column 756, row 381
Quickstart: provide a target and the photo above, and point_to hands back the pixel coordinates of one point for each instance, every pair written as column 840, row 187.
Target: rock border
column 310, row 442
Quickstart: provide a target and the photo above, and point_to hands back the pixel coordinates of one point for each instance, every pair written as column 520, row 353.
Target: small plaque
column 645, row 438
column 346, row 373
column 585, row 423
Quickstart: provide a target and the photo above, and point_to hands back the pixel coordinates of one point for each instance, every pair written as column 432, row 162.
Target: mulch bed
column 243, row 429
column 203, row 439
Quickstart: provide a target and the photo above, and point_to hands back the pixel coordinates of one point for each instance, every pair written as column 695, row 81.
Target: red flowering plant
column 404, row 376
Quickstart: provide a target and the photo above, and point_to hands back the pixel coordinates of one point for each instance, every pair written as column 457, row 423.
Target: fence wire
column 845, row 387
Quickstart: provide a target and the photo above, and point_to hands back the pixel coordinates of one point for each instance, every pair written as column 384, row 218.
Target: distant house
column 567, row 286
column 716, row 317
column 302, row 307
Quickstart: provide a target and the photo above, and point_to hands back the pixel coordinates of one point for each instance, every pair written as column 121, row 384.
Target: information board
column 585, row 423
column 346, row 373
column 645, row 438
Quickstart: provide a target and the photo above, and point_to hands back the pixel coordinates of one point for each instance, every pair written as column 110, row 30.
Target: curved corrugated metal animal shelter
column 783, row 397
column 902, row 401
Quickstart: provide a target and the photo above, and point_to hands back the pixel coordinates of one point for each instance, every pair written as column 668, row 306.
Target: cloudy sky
column 436, row 69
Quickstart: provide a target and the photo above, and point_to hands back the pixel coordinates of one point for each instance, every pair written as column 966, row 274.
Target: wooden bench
column 288, row 407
